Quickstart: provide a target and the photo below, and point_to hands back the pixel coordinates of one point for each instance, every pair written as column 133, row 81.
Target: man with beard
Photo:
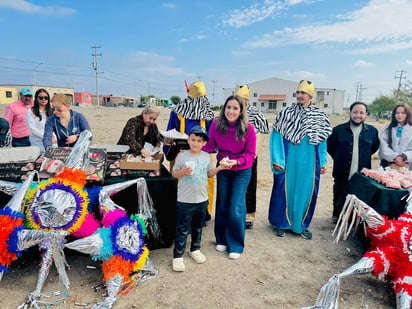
column 298, row 157
column 351, row 146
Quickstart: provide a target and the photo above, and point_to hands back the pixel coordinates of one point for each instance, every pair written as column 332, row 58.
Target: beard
column 358, row 123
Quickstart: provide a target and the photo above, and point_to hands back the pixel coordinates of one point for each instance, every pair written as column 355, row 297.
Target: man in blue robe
column 298, row 157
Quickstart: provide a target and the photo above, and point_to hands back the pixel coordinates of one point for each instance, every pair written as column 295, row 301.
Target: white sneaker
column 178, row 264
column 221, row 248
column 197, row 256
column 234, row 255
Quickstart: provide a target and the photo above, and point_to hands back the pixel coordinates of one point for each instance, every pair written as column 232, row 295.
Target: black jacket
column 340, row 145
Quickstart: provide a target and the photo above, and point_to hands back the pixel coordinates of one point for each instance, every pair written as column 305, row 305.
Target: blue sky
column 153, row 46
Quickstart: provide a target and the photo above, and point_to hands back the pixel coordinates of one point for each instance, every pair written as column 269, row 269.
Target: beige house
column 274, row 94
column 11, row 93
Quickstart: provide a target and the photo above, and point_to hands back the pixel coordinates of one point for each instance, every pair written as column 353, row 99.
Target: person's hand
column 54, row 140
column 231, row 163
column 145, row 153
column 71, row 139
column 398, row 161
column 187, row 171
column 323, row 169
column 277, row 168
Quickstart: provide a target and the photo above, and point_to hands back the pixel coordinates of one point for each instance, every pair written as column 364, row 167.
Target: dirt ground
column 273, row 272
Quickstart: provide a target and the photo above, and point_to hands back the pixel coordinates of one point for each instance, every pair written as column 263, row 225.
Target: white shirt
column 36, row 128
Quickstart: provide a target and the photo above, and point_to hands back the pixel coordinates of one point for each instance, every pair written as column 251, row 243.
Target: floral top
column 132, row 135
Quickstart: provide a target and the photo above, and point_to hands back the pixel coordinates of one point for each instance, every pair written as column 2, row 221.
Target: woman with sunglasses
column 36, row 117
column 395, row 148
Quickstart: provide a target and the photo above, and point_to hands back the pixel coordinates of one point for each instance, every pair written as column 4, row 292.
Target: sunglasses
column 300, row 92
column 42, row 98
column 399, row 132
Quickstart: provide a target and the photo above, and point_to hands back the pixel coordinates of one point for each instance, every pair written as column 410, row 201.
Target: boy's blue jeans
column 190, row 217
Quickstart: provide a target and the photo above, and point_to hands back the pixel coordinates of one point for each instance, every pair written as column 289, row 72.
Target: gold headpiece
column 196, row 89
column 306, row 86
column 243, row 91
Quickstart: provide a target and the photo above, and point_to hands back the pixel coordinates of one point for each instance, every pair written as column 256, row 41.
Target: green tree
column 381, row 105
column 175, row 99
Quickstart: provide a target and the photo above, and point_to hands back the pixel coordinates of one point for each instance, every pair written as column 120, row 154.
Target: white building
column 274, row 94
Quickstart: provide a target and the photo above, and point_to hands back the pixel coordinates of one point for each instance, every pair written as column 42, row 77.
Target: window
column 254, row 104
column 272, row 104
column 327, row 93
column 87, row 97
column 284, row 104
column 255, row 95
column 325, row 105
column 9, row 94
column 294, row 95
column 262, row 104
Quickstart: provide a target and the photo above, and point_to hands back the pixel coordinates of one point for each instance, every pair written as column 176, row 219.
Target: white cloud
column 363, row 64
column 304, row 75
column 241, row 54
column 154, row 63
column 27, row 7
column 381, row 21
column 255, row 13
column 198, row 37
column 408, row 61
column 168, row 6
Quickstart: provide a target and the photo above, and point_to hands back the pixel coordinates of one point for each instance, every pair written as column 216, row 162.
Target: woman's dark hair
column 35, row 108
column 394, row 122
column 241, row 123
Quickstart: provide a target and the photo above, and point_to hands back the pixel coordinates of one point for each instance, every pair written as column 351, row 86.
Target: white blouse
column 36, row 128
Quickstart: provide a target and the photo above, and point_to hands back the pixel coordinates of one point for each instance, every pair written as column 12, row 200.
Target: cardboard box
column 54, row 158
column 139, row 165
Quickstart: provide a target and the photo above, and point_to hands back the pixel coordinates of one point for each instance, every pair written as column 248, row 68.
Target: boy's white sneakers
column 197, row 256
column 178, row 264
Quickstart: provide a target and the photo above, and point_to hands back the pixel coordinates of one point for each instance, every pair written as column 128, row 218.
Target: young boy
column 192, row 169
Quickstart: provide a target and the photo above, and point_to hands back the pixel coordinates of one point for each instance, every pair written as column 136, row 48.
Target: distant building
column 83, row 98
column 114, row 101
column 11, row 93
column 274, row 94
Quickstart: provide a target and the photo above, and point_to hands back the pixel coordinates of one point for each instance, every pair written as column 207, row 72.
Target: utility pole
column 199, row 77
column 400, row 83
column 94, row 64
column 359, row 89
column 213, row 94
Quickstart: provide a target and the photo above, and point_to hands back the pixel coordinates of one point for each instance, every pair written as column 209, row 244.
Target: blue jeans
column 230, row 218
column 190, row 217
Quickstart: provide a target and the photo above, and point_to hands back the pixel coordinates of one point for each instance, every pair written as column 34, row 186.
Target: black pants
column 251, row 190
column 189, row 218
column 20, row 141
column 338, row 190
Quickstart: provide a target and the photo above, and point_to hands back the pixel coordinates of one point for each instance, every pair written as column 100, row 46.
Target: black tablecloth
column 163, row 191
column 386, row 201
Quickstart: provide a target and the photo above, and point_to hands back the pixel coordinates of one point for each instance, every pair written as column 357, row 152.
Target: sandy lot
column 273, row 272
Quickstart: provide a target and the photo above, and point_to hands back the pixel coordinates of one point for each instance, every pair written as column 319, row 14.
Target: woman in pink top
column 234, row 139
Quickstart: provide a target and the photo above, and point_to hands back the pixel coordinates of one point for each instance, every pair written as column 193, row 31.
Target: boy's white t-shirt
column 193, row 188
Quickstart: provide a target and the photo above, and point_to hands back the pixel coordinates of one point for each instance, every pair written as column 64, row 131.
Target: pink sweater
column 15, row 114
column 227, row 146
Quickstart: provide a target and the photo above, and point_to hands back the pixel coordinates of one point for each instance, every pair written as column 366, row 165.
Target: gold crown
column 243, row 91
column 307, row 86
column 197, row 89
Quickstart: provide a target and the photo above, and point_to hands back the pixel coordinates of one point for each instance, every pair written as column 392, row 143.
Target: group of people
column 40, row 121
column 300, row 139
